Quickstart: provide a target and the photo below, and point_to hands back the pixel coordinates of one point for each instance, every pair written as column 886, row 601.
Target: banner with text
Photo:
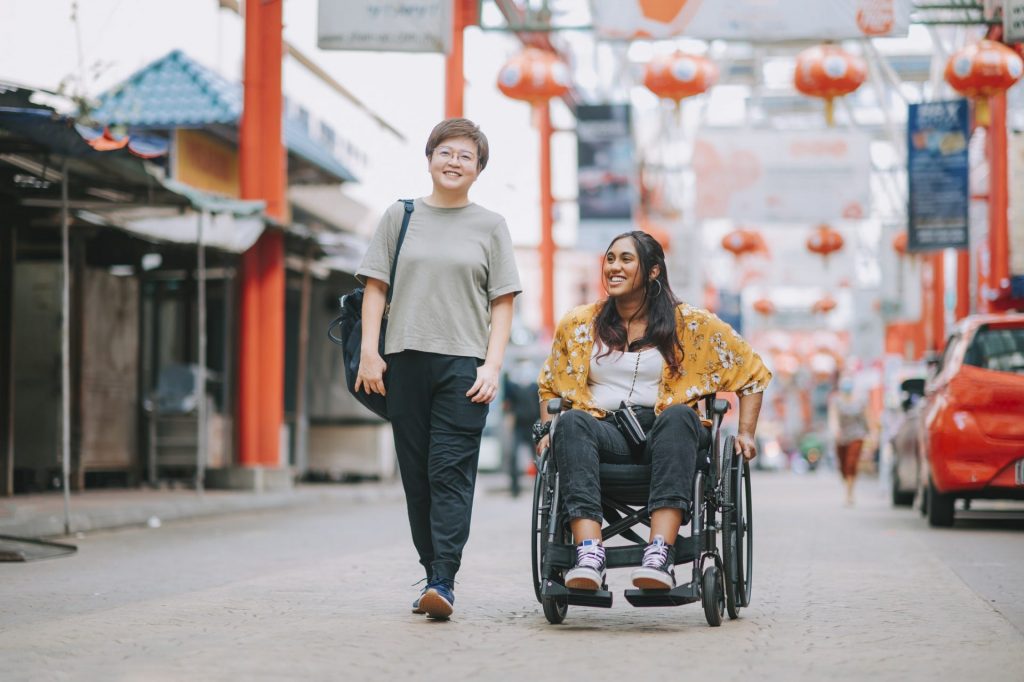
column 782, row 176
column 937, row 174
column 762, row 21
column 385, row 25
column 606, row 173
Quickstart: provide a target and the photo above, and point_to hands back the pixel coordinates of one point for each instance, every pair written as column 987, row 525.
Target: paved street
column 323, row 592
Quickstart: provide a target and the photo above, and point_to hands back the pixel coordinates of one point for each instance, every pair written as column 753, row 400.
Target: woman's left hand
column 746, row 446
column 486, row 387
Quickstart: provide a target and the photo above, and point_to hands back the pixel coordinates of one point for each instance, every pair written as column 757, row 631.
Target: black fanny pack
column 633, row 422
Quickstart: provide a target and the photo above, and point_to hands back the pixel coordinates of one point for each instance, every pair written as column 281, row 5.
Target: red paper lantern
column 899, row 244
column 741, row 242
column 982, row 70
column 828, row 71
column 534, row 76
column 679, row 75
column 764, row 307
column 824, row 241
column 824, row 305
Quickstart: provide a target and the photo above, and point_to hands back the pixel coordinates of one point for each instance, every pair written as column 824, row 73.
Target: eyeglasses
column 447, row 154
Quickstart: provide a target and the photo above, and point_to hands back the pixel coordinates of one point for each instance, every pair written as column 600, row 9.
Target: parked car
column 972, row 417
column 906, row 466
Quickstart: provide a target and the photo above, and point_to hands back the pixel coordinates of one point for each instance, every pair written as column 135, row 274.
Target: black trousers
column 582, row 442
column 437, row 433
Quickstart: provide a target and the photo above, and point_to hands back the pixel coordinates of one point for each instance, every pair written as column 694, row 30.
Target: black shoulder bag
column 350, row 323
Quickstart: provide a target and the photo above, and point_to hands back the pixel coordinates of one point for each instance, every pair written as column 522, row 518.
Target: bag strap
column 398, row 249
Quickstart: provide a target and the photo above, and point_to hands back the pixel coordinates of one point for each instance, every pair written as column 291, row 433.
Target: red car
column 972, row 424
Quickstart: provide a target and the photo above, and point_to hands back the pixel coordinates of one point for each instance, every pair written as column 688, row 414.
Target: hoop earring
column 660, row 289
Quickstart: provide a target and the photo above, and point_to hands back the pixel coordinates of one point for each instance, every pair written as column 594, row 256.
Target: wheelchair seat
column 631, row 483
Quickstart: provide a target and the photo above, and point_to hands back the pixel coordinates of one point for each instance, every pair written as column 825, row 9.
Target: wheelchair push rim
column 737, row 540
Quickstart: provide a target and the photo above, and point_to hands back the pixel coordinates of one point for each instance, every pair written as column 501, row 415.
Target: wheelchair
column 720, row 516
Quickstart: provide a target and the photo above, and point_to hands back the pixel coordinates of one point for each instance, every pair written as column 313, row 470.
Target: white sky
column 38, row 47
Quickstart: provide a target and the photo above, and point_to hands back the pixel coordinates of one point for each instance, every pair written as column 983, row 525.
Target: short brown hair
column 459, row 127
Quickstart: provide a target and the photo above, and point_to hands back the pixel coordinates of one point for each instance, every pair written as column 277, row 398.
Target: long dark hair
column 659, row 300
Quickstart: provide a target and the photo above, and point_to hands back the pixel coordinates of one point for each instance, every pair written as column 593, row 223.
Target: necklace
column 636, row 371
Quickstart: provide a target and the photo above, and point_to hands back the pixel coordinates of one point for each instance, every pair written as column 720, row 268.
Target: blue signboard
column 937, row 134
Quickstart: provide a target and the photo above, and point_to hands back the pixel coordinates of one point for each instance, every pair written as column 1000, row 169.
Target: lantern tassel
column 830, row 112
column 982, row 116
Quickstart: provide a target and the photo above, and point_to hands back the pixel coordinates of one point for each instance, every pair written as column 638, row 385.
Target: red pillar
column 963, row 283
column 937, row 317
column 262, row 176
column 454, row 77
column 998, row 204
column 547, row 241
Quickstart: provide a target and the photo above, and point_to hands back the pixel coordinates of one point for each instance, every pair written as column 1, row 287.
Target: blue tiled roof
column 178, row 92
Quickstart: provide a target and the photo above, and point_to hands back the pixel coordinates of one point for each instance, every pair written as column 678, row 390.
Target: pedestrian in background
column 850, row 426
column 448, row 325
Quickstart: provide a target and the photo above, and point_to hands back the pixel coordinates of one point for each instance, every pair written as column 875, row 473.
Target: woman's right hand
column 371, row 373
column 543, row 443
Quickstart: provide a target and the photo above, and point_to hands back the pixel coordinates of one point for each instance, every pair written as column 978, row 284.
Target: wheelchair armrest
column 721, row 406
column 556, row 405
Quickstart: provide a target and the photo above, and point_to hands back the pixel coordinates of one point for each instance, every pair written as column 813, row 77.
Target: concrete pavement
column 322, row 591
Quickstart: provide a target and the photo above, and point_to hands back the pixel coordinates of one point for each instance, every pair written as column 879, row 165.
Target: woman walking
column 850, row 426
column 448, row 325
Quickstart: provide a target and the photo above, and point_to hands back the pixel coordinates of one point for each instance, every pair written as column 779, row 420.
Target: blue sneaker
column 416, row 604
column 438, row 599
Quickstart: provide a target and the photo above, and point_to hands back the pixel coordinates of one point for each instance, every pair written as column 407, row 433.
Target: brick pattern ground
column 323, row 592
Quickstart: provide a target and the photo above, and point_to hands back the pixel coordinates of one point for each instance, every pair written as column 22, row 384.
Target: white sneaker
column 657, row 571
column 588, row 574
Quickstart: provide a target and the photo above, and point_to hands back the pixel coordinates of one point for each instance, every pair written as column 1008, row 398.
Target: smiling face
column 623, row 272
column 454, row 165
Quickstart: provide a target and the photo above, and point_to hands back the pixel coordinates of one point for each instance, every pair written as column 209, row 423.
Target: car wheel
column 940, row 507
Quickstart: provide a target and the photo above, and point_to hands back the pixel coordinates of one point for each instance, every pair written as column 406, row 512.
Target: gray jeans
column 582, row 443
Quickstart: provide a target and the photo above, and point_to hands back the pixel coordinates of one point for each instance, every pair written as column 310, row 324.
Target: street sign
column 937, row 172
column 385, row 25
column 1013, row 21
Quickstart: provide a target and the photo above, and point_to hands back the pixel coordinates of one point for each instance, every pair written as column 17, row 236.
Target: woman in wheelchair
column 642, row 351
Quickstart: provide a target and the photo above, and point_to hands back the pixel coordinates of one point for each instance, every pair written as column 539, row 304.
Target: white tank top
column 611, row 378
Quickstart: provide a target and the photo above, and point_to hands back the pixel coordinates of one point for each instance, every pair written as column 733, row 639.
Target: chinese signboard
column 753, row 20
column 784, row 176
column 937, row 174
column 606, row 173
column 385, row 25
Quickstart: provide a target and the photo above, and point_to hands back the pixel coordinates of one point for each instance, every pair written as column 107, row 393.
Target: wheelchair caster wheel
column 554, row 610
column 713, row 596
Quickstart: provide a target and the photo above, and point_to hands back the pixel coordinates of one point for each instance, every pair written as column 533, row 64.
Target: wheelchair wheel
column 537, row 533
column 541, row 514
column 737, row 538
column 712, row 595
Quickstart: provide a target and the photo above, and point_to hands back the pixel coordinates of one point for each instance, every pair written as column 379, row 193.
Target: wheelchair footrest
column 683, row 594
column 598, row 598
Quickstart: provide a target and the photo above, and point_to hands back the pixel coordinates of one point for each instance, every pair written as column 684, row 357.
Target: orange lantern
column 534, row 76
column 824, row 305
column 741, row 242
column 899, row 244
column 824, row 241
column 679, row 75
column 764, row 307
column 828, row 71
column 982, row 70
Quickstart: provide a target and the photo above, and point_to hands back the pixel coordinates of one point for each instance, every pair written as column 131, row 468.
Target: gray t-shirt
column 454, row 262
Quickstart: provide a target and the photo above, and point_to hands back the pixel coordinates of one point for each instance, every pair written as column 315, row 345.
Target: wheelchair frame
column 721, row 504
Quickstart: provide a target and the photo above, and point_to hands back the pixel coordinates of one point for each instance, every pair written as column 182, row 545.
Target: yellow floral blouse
column 715, row 359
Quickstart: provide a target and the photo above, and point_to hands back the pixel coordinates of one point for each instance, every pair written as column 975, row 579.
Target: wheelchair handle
column 557, row 405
